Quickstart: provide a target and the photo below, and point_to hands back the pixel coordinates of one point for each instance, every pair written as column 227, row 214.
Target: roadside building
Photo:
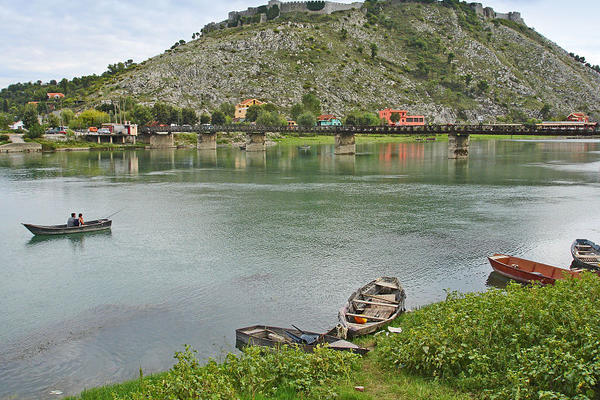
column 578, row 117
column 291, row 122
column 242, row 108
column 328, row 120
column 403, row 118
column 17, row 125
column 55, row 96
column 125, row 128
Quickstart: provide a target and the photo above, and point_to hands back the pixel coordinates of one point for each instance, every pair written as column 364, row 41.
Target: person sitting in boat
column 72, row 221
column 80, row 219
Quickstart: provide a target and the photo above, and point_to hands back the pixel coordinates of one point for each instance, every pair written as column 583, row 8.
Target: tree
column 368, row 119
column 218, row 118
column 351, row 120
column 67, row 116
column 92, row 117
column 545, row 111
column 252, row 112
column 35, row 131
column 53, row 121
column 296, row 110
column 161, row 113
column 270, row 118
column 174, row 115
column 205, row 118
column 307, row 119
column 189, row 116
column 483, row 86
column 311, row 103
column 451, row 57
column 142, row 115
column 30, row 116
column 5, row 120
column 374, row 49
column 395, row 117
column 5, row 106
column 273, row 12
column 468, row 79
column 228, row 109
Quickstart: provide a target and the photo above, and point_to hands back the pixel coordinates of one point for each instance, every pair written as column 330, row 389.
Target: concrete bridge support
column 256, row 142
column 207, row 141
column 345, row 143
column 458, row 145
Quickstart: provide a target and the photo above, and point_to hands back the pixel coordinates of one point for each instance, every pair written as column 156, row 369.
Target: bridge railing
column 484, row 129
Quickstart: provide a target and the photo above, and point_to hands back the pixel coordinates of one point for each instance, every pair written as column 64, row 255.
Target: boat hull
column 362, row 294
column 586, row 254
column 256, row 336
column 91, row 226
column 528, row 271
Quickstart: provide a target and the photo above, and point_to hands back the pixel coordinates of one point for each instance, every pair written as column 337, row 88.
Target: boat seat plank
column 255, row 331
column 386, row 285
column 366, row 316
column 375, row 303
column 390, row 298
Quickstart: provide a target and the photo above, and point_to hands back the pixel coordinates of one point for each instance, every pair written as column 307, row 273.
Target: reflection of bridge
column 458, row 135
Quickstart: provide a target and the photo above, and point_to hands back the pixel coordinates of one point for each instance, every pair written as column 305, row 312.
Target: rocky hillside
column 442, row 61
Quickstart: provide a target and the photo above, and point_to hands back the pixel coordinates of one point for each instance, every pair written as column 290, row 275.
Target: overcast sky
column 47, row 40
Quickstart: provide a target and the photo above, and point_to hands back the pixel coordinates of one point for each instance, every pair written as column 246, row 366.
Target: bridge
column 458, row 135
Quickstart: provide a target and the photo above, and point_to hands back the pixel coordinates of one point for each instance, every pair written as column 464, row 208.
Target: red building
column 578, row 117
column 403, row 118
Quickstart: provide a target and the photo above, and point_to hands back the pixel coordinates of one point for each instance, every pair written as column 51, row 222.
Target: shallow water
column 212, row 241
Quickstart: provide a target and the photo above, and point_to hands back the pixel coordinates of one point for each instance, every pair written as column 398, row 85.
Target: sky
column 44, row 40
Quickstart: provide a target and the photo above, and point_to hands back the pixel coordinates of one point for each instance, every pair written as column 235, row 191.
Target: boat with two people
column 586, row 254
column 89, row 226
column 272, row 336
column 370, row 307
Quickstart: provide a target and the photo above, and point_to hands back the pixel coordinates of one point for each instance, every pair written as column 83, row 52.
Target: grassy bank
column 519, row 343
column 50, row 145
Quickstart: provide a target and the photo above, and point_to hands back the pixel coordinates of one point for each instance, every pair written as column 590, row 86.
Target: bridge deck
column 516, row 130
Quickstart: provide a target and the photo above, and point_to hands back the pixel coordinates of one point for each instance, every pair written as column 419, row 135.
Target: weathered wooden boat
column 371, row 306
column 586, row 254
column 272, row 336
column 89, row 226
column 528, row 271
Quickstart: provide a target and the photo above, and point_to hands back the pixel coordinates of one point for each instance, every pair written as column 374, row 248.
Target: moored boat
column 528, row 271
column 586, row 254
column 272, row 336
column 373, row 305
column 89, row 226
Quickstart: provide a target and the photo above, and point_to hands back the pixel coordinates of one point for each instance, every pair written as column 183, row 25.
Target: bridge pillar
column 256, row 141
column 207, row 141
column 458, row 145
column 345, row 143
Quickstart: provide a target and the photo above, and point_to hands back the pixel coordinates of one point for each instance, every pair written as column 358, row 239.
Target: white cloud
column 66, row 38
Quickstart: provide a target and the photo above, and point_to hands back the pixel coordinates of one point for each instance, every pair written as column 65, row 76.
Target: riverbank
column 477, row 345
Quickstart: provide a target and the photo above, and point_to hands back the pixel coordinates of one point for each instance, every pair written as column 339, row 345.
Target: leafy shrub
column 525, row 342
column 4, row 138
column 315, row 5
column 257, row 371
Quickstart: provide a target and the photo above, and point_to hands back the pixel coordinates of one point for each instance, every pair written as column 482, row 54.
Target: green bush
column 522, row 343
column 315, row 5
column 256, row 372
column 4, row 138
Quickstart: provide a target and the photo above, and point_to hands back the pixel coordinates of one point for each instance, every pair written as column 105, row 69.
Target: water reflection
column 497, row 280
column 76, row 240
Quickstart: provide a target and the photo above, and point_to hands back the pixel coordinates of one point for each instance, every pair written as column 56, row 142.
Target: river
column 211, row 241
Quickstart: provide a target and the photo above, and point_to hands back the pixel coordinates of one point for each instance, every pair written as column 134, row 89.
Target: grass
column 50, row 145
column 186, row 139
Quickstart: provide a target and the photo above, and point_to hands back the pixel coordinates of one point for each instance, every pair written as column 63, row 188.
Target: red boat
column 527, row 271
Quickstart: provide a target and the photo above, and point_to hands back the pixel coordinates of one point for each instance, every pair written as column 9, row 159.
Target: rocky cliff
column 444, row 61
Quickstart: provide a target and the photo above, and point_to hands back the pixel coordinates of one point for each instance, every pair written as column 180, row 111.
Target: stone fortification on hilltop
column 236, row 18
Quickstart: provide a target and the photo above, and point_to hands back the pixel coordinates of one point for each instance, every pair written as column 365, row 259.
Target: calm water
column 213, row 241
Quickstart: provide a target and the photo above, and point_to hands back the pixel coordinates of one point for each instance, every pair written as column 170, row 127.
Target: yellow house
column 241, row 108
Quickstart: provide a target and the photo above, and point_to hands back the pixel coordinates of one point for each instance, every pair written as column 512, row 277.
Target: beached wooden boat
column 372, row 306
column 89, row 226
column 272, row 336
column 528, row 271
column 586, row 254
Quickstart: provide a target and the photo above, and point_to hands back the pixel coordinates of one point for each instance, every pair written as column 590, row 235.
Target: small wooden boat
column 372, row 306
column 89, row 226
column 586, row 254
column 272, row 336
column 528, row 271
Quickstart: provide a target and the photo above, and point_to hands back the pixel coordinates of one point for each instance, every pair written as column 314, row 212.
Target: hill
column 440, row 59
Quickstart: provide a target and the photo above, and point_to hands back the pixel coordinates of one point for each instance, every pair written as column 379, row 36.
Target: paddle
column 307, row 337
